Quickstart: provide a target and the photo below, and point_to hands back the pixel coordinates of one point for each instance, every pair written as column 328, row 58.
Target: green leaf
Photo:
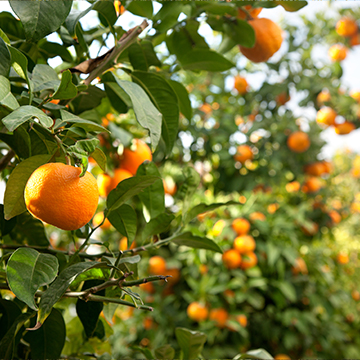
column 48, row 341
column 142, row 55
column 23, row 114
column 291, row 5
column 168, row 15
column 41, row 18
column 126, row 189
column 206, row 60
column 183, row 98
column 144, row 9
column 190, row 342
column 44, row 74
column 9, row 311
column 124, row 221
column 218, row 8
column 5, row 57
column 66, row 90
column 5, row 225
column 4, row 37
column 87, row 125
column 88, row 99
column 287, row 289
column 254, row 354
column 11, row 26
column 165, row 352
column 57, row 289
column 165, row 100
column 119, row 99
column 146, row 113
column 240, row 32
column 51, row 50
column 119, row 133
column 10, row 339
column 100, row 158
column 196, row 242
column 7, row 99
column 202, row 208
column 14, row 203
column 157, row 225
column 152, row 197
column 86, row 146
column 19, row 141
column 27, row 270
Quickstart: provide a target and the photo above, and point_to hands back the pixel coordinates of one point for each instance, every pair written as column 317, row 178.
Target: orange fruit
column 272, row 208
column 218, row 227
column 355, row 39
column 254, row 12
column 342, row 258
column 241, row 85
column 262, row 188
column 123, row 244
column 169, row 187
column 298, row 141
column 241, row 226
column 119, row 175
column 299, row 267
column 257, row 215
column 249, row 260
column 355, row 295
column 157, row 265
column 326, row 116
column 335, row 216
column 242, row 320
column 344, row 128
column 310, row 230
column 282, row 98
column 355, row 95
column 243, row 153
column 267, row 43
column 282, row 357
column 206, row 108
column 119, row 8
column 97, row 220
column 203, row 269
column 337, row 52
column 104, row 183
column 318, row 168
column 323, row 96
column 57, row 195
column 346, row 27
column 148, row 287
column 229, row 293
column 148, row 323
column 175, row 275
column 231, row 259
column 197, row 311
column 244, row 244
column 312, row 184
column 220, row 316
column 293, row 186
column 134, row 156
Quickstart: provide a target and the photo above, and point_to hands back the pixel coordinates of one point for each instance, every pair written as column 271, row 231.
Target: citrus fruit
column 282, row 357
column 272, row 208
column 104, row 183
column 220, row 316
column 326, row 116
column 298, row 141
column 299, row 267
column 175, row 275
column 241, row 226
column 218, row 227
column 157, row 265
column 355, row 295
column 231, row 259
column 337, row 52
column 355, row 39
column 203, row 269
column 344, row 128
column 257, row 215
column 242, row 320
column 148, row 287
column 244, row 244
column 323, row 97
column 312, row 184
column 169, row 186
column 241, row 85
column 355, row 95
column 342, row 258
column 97, row 220
column 243, row 153
column 123, row 244
column 197, row 311
column 346, row 27
column 57, row 195
column 268, row 39
column 249, row 260
column 335, row 216
column 134, row 156
column 119, row 175
column 253, row 12
column 282, row 98
column 293, row 186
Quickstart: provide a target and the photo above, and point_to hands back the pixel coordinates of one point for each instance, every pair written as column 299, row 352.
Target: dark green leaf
column 287, row 289
column 291, row 5
column 11, row 26
column 152, row 197
column 119, row 133
column 127, row 188
column 144, row 9
column 41, row 18
column 240, row 32
column 100, row 158
column 190, row 342
column 157, row 225
column 88, row 99
column 9, row 311
column 146, row 113
column 66, row 90
column 5, row 225
column 7, row 99
column 52, row 50
column 124, row 221
column 165, row 100
column 27, row 270
column 165, row 352
column 142, row 55
column 254, row 354
column 48, row 341
column 5, row 57
column 183, row 98
column 202, row 208
column 196, row 242
column 218, row 8
column 14, row 203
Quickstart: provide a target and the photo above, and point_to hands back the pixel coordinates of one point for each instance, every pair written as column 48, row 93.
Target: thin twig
column 4, row 161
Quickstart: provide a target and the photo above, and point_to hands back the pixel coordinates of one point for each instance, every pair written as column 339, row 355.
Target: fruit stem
column 248, row 15
column 61, row 146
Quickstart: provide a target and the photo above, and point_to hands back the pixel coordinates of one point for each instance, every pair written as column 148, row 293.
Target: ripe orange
column 169, row 187
column 355, row 95
column 337, row 52
column 244, row 244
column 272, row 208
column 133, row 157
column 231, row 259
column 148, row 323
column 257, row 215
column 282, row 98
column 148, row 287
column 293, row 186
column 197, row 311
column 299, row 267
column 298, row 141
column 355, row 39
column 317, row 168
column 57, row 195
column 241, row 85
column 312, row 184
column 268, row 40
column 119, row 8
column 335, row 216
column 157, row 265
column 342, row 258
column 242, row 320
column 175, row 276
column 326, row 116
column 97, row 220
column 218, row 227
column 119, row 175
column 346, row 27
column 282, row 357
column 220, row 316
column 323, row 96
column 241, row 226
column 123, row 244
column 345, row 128
column 244, row 153
column 254, row 12
column 206, row 108
column 355, row 295
column 249, row 260
column 104, row 183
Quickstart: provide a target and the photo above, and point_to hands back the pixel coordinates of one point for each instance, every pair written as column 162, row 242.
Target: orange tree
column 64, row 292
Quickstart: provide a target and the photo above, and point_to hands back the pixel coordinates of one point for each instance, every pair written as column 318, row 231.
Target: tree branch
column 4, row 161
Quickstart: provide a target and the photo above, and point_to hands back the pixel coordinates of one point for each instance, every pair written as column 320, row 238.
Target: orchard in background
column 153, row 210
